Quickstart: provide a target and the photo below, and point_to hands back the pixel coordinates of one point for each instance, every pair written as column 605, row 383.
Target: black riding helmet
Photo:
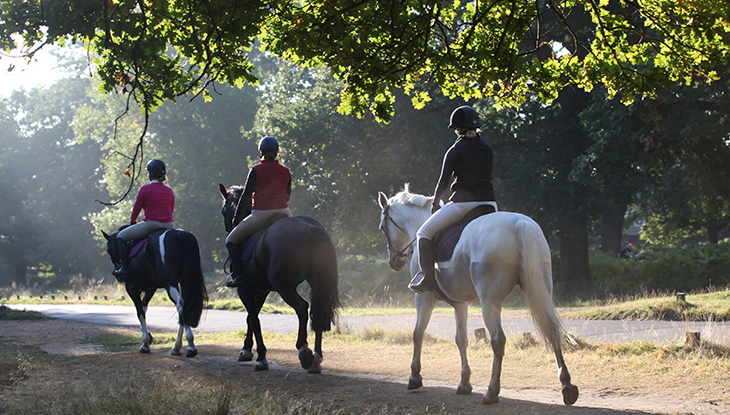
column 156, row 168
column 269, row 144
column 465, row 117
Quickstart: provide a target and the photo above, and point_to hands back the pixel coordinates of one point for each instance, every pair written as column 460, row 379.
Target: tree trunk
column 613, row 227
column 575, row 270
column 21, row 267
column 714, row 227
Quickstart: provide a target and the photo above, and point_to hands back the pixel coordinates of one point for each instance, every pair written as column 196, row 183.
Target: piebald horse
column 496, row 252
column 170, row 259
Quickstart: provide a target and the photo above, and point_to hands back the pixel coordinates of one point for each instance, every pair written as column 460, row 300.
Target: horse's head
column 397, row 238
column 231, row 211
column 111, row 240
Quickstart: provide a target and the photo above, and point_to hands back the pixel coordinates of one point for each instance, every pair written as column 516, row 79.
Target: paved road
column 165, row 318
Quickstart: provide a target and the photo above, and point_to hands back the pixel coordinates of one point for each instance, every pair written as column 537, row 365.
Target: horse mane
column 236, row 189
column 407, row 198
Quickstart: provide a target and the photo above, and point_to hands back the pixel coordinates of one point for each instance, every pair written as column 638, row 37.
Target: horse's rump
column 299, row 249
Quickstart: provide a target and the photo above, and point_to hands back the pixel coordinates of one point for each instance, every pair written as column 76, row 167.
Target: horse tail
column 536, row 281
column 323, row 278
column 194, row 293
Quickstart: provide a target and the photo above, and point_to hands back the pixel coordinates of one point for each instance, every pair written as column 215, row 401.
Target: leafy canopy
column 506, row 49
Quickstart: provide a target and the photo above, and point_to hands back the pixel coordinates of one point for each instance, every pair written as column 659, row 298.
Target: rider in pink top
column 158, row 202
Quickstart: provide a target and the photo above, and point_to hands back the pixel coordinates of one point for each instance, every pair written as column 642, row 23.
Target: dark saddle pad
column 250, row 243
column 446, row 240
column 137, row 246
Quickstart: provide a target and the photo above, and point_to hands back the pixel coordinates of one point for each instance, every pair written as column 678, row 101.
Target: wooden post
column 480, row 333
column 692, row 339
column 682, row 297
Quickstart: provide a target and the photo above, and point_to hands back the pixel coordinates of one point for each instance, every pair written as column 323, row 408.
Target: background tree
column 339, row 163
column 53, row 179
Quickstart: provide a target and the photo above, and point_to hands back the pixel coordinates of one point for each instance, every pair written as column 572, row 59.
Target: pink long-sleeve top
column 157, row 200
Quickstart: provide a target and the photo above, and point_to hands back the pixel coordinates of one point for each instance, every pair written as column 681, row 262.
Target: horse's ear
column 223, row 190
column 105, row 235
column 382, row 200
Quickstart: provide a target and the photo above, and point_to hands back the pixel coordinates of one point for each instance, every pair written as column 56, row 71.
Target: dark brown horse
column 287, row 253
column 170, row 259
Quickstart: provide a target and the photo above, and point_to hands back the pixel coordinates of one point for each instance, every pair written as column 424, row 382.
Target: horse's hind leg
column 192, row 351
column 461, row 311
column 190, row 337
column 570, row 391
column 317, row 357
column 493, row 321
column 301, row 307
column 424, row 307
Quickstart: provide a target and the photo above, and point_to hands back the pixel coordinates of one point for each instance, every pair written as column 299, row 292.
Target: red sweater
column 158, row 202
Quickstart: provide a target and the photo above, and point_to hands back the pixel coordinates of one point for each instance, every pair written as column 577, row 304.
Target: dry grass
column 366, row 371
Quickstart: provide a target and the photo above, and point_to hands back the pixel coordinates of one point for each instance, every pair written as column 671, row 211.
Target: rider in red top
column 267, row 190
column 158, row 202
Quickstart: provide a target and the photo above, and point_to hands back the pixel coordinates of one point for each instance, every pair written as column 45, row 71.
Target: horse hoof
column 463, row 390
column 144, row 349
column 175, row 352
column 490, row 398
column 570, row 394
column 245, row 356
column 415, row 382
column 261, row 365
column 306, row 357
column 317, row 365
column 192, row 353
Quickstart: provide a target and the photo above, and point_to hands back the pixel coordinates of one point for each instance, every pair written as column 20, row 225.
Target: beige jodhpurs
column 252, row 223
column 143, row 229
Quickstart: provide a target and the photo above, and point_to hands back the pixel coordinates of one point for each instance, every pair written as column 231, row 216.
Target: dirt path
column 62, row 337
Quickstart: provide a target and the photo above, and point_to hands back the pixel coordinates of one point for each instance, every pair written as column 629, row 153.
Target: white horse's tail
column 536, row 281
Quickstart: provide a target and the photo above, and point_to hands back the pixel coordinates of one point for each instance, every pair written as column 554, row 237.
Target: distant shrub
column 614, row 276
column 661, row 269
column 687, row 268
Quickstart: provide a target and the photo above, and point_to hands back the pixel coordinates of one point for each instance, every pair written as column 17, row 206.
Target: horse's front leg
column 424, row 308
column 461, row 311
column 140, row 305
column 246, row 353
column 253, row 302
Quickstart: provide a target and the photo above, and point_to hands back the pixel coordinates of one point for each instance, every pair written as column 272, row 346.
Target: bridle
column 397, row 254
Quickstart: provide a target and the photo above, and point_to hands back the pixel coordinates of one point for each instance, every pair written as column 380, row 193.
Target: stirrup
column 121, row 273
column 235, row 281
column 421, row 285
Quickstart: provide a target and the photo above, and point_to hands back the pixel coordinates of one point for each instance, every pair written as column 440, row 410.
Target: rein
column 397, row 254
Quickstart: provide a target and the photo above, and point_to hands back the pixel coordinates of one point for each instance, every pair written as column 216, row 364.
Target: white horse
column 496, row 252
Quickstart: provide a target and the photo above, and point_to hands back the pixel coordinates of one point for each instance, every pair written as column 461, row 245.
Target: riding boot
column 237, row 277
column 425, row 280
column 121, row 272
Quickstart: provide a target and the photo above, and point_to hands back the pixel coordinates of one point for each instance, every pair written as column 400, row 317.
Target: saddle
column 250, row 243
column 447, row 239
